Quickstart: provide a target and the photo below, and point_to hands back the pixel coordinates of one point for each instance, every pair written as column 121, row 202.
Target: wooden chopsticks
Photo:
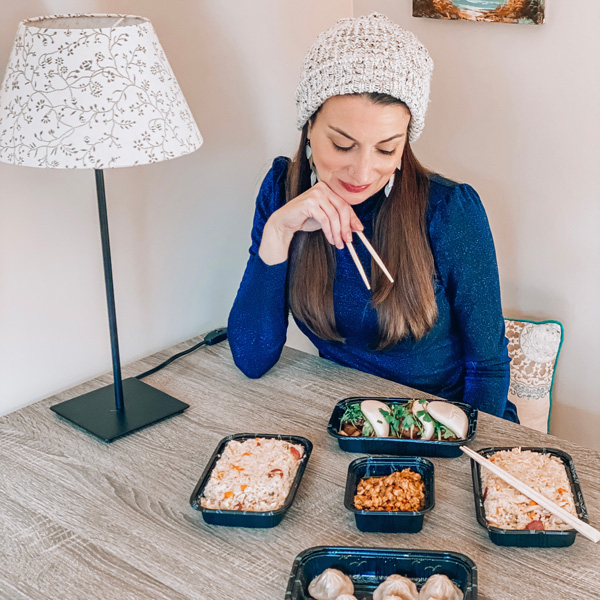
column 372, row 252
column 587, row 530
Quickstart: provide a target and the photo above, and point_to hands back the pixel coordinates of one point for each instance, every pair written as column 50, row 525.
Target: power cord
column 210, row 339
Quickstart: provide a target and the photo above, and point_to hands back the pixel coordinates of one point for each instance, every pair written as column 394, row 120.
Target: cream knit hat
column 366, row 54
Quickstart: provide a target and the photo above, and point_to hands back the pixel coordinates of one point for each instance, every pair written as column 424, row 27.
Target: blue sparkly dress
column 463, row 358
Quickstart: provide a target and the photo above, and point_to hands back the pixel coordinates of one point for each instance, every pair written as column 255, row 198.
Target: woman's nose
column 361, row 170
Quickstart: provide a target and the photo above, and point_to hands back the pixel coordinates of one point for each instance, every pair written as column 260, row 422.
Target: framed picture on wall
column 502, row 11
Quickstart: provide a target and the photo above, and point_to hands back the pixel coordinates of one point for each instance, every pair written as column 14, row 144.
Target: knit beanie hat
column 366, row 54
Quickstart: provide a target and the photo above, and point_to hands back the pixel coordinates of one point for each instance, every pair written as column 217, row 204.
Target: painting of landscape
column 503, row 11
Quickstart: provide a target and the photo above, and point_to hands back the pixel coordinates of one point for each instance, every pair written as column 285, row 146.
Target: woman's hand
column 317, row 208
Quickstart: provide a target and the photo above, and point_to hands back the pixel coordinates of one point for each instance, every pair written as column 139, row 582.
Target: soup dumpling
column 396, row 587
column 439, row 587
column 329, row 585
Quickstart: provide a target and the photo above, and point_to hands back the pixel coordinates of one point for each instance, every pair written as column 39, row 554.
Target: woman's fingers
column 320, row 208
column 356, row 224
column 346, row 213
column 349, row 222
column 336, row 222
column 323, row 219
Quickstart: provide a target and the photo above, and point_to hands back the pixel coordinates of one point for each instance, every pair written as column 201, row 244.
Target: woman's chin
column 353, row 198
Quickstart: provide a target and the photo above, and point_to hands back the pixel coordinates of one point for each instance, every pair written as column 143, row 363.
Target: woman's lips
column 354, row 189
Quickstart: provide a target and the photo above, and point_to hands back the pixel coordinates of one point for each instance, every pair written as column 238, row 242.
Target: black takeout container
column 247, row 518
column 398, row 446
column 368, row 567
column 525, row 538
column 389, row 521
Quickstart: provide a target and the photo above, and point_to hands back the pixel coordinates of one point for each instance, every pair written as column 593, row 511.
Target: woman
column 361, row 101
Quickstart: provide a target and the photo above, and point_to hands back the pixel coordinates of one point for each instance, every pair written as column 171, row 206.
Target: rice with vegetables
column 254, row 475
column 507, row 508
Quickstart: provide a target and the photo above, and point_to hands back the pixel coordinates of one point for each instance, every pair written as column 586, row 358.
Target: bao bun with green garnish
column 416, row 419
column 419, row 410
column 373, row 411
column 451, row 416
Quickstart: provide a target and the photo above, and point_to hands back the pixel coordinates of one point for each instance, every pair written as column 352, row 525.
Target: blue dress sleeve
column 258, row 320
column 465, row 260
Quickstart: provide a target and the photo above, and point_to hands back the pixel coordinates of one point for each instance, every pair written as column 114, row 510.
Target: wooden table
column 83, row 519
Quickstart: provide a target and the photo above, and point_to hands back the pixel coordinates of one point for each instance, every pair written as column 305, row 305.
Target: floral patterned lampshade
column 91, row 91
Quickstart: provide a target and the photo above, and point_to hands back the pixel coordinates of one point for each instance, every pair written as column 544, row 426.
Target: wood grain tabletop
column 82, row 519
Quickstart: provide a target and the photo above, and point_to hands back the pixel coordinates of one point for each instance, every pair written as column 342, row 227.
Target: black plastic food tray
column 389, row 521
column 368, row 567
column 246, row 518
column 526, row 538
column 398, row 446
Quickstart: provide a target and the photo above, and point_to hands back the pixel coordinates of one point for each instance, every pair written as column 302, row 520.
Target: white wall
column 179, row 230
column 514, row 112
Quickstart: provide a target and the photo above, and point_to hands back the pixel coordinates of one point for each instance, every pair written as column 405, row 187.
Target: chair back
column 533, row 347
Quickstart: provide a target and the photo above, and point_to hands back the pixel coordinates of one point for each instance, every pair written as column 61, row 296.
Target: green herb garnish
column 423, row 414
column 353, row 415
column 441, row 431
column 394, row 419
column 409, row 421
column 403, row 410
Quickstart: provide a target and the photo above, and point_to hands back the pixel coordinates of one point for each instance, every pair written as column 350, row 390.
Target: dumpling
column 330, row 584
column 346, row 597
column 439, row 587
column 396, row 587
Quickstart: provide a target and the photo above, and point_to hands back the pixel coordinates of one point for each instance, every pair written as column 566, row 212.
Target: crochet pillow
column 533, row 348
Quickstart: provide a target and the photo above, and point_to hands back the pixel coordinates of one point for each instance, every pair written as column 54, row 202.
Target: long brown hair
column 404, row 308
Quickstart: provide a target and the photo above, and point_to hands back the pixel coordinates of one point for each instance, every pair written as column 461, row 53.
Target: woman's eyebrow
column 398, row 135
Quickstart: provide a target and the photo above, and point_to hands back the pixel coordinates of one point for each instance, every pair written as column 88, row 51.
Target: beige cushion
column 533, row 348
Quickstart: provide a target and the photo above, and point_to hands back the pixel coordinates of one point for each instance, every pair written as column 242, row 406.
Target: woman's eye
column 341, row 148
column 348, row 148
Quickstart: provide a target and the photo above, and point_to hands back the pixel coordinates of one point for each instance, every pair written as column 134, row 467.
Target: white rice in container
column 255, row 475
column 506, row 508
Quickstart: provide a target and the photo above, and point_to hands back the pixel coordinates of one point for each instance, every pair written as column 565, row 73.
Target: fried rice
column 255, row 474
column 507, row 508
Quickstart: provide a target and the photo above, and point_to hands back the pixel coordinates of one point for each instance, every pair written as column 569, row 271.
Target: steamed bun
column 396, row 587
column 439, row 587
column 329, row 585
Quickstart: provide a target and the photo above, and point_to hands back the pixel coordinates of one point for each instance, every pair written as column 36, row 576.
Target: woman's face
column 357, row 144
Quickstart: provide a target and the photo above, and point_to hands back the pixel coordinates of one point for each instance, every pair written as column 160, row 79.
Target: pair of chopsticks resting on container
column 372, row 252
column 587, row 530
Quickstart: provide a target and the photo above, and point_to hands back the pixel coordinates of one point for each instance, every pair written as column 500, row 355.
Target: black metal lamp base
column 95, row 411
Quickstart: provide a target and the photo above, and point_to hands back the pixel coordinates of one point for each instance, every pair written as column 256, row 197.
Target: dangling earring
column 314, row 176
column 390, row 184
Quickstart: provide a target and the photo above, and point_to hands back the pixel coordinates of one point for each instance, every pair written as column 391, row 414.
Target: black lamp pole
column 126, row 405
column 110, row 291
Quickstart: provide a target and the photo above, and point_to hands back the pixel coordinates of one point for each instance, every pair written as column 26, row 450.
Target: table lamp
column 96, row 92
